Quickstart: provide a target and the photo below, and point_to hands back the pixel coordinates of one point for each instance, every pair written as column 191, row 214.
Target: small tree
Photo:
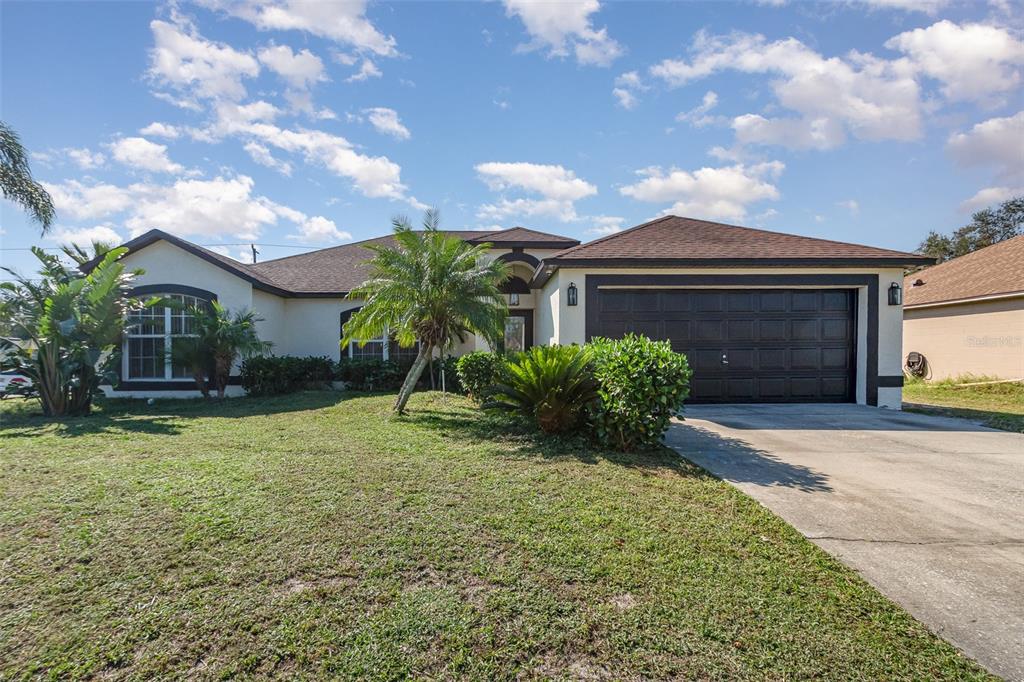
column 429, row 289
column 71, row 325
column 220, row 339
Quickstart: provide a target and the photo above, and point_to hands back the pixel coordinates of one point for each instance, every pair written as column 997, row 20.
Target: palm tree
column 430, row 288
column 17, row 182
column 220, row 338
column 81, row 256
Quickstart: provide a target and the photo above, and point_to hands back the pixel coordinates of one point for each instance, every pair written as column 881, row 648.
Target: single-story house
column 763, row 316
column 966, row 316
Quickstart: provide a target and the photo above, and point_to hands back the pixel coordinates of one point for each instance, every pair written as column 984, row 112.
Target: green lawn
column 316, row 536
column 1000, row 406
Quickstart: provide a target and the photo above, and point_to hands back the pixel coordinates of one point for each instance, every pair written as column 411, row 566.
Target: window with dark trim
column 150, row 337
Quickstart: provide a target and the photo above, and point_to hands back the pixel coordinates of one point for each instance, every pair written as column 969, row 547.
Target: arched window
column 375, row 349
column 152, row 332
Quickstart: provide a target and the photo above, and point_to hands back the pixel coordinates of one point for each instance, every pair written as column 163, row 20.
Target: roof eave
column 961, row 301
column 548, row 266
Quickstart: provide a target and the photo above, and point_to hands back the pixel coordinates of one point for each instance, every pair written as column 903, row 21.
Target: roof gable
column 992, row 271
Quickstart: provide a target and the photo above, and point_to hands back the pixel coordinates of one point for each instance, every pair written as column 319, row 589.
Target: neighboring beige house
column 762, row 316
column 966, row 316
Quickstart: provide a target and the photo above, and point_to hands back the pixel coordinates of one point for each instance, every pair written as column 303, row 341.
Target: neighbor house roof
column 996, row 270
column 335, row 270
column 685, row 241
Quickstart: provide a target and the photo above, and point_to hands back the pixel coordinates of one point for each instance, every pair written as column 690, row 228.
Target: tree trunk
column 415, row 372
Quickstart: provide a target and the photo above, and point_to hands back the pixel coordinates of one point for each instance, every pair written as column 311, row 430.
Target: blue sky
column 298, row 125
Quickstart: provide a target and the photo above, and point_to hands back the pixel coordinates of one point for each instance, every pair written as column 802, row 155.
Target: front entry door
column 518, row 331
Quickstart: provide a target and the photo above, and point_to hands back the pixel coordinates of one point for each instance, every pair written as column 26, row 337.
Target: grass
column 1000, row 406
column 317, row 536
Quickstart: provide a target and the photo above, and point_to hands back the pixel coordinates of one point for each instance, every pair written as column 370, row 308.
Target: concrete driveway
column 930, row 510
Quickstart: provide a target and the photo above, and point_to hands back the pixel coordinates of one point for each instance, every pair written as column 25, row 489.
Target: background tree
column 987, row 227
column 17, row 182
column 72, row 325
column 429, row 288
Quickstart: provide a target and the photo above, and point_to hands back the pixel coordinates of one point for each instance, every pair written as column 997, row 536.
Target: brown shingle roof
column 336, row 270
column 685, row 241
column 342, row 268
column 994, row 270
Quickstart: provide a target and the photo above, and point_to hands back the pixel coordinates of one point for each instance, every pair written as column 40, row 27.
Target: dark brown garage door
column 746, row 345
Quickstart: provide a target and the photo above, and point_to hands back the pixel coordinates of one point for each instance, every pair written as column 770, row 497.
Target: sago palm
column 429, row 288
column 551, row 384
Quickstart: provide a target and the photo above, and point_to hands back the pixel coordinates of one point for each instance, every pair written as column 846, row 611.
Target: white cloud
column 698, row 116
column 872, row 99
column 605, row 224
column 996, row 142
column 342, row 22
column 990, row 196
column 926, row 6
column 551, row 181
column 374, row 176
column 564, row 27
column 386, row 121
column 795, row 133
column 85, row 236
column 708, row 192
column 138, row 152
column 366, row 71
column 184, row 60
column 85, row 158
column 157, row 129
column 627, row 100
column 319, row 229
column 88, row 202
column 299, row 69
column 850, row 205
column 558, row 187
column 223, row 206
column 627, row 86
column 972, row 61
column 261, row 155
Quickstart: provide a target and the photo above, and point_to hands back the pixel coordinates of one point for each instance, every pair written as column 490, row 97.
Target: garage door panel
column 781, row 345
column 804, row 330
column 835, row 387
column 709, row 330
column 805, row 358
column 772, row 358
column 835, row 329
column 835, row 358
column 740, row 302
column 676, row 301
column 740, row 330
column 772, row 330
column 806, row 301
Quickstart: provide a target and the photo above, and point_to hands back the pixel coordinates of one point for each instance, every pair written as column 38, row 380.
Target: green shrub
column 642, row 384
column 276, row 374
column 551, row 384
column 372, row 374
column 479, row 370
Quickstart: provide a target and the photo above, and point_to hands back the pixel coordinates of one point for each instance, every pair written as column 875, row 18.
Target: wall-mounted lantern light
column 895, row 294
column 513, row 300
column 573, row 294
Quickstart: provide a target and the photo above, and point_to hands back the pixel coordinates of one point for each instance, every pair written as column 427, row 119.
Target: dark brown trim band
column 594, row 282
column 151, row 289
column 890, row 381
column 174, row 385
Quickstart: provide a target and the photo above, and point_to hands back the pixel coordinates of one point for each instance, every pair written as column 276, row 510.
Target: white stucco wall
column 273, row 326
column 165, row 263
column 314, row 326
